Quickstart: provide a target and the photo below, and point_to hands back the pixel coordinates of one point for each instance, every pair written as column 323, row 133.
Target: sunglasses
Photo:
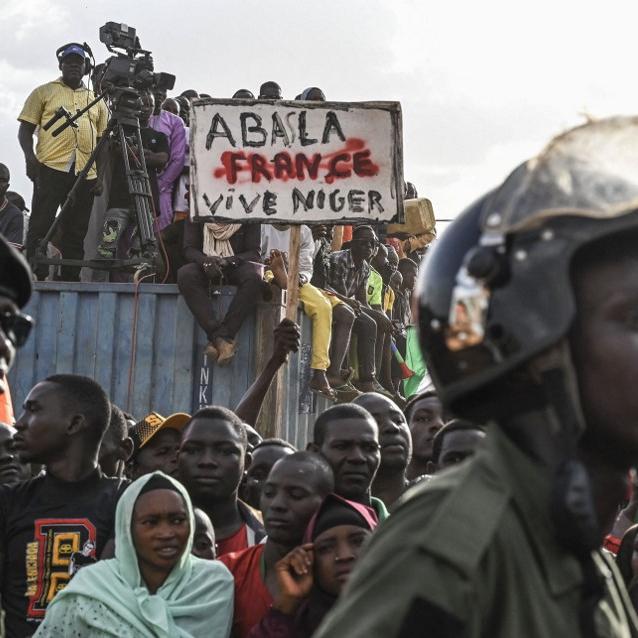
column 16, row 326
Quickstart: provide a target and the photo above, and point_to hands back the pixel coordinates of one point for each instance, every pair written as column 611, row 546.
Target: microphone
column 61, row 112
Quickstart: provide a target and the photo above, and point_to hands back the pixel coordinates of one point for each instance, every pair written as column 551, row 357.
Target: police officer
column 528, row 319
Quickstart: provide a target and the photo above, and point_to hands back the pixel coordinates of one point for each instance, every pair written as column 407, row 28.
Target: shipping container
column 143, row 346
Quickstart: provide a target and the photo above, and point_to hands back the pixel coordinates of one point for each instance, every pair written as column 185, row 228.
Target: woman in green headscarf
column 153, row 587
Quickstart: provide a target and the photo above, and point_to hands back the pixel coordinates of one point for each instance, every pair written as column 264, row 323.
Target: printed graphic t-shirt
column 47, row 525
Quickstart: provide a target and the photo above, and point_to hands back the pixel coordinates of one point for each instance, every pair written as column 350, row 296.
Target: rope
column 131, row 369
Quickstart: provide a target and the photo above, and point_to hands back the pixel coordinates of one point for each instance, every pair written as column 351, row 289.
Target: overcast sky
column 483, row 85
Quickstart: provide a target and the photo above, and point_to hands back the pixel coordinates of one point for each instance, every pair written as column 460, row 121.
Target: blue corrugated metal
column 88, row 329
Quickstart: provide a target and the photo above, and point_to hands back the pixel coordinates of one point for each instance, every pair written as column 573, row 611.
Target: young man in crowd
column 11, row 217
column 264, row 456
column 347, row 436
column 396, row 446
column 347, row 278
column 219, row 252
column 120, row 214
column 69, row 509
column 15, row 292
column 453, row 443
column 156, row 443
column 211, row 463
column 57, row 161
column 424, row 414
column 12, row 471
column 117, row 446
column 508, row 544
column 295, row 488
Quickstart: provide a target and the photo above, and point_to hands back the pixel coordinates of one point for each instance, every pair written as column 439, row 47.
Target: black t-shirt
column 118, row 196
column 12, row 223
column 43, row 522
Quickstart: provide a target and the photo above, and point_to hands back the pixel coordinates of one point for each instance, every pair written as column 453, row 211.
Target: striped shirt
column 72, row 145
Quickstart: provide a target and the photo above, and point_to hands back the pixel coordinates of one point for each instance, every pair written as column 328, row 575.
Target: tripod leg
column 141, row 199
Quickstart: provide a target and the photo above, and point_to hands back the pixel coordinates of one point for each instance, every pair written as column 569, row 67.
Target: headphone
column 87, row 62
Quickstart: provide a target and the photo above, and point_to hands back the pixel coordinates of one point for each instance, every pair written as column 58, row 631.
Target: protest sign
column 296, row 162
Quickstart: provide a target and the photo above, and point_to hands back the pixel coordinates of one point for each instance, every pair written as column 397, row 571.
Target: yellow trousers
column 318, row 307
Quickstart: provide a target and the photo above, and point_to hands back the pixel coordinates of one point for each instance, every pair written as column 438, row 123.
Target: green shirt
column 374, row 292
column 471, row 554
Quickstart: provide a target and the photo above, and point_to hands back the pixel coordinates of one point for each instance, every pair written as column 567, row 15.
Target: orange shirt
column 252, row 598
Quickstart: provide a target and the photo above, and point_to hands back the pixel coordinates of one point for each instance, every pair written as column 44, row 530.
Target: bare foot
column 319, row 383
column 211, row 351
column 278, row 268
column 226, row 351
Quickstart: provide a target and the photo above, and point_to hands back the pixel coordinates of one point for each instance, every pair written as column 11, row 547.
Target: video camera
column 132, row 69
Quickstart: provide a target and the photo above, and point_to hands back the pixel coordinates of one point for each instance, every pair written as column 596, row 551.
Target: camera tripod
column 124, row 119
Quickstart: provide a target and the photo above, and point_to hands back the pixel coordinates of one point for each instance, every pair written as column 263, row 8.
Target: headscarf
column 336, row 510
column 217, row 239
column 195, row 600
column 333, row 512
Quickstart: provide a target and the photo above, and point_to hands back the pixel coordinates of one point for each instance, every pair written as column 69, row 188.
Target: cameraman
column 57, row 160
column 120, row 211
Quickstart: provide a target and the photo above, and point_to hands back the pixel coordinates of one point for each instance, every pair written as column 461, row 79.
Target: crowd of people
column 200, row 526
column 501, row 502
column 355, row 285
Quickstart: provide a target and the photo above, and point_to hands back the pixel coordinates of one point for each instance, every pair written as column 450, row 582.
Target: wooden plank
column 271, row 416
column 337, row 238
column 292, row 297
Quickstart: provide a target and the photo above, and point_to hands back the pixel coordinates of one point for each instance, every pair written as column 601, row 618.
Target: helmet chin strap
column 573, row 511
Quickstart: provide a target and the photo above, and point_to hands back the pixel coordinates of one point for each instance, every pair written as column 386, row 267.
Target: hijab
column 195, row 600
column 333, row 512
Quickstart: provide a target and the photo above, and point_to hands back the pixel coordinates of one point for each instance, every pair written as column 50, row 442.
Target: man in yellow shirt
column 56, row 161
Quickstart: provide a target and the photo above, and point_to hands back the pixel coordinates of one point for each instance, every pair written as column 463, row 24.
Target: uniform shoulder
column 434, row 516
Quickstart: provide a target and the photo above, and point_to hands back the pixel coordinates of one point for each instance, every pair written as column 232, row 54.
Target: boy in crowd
column 211, row 462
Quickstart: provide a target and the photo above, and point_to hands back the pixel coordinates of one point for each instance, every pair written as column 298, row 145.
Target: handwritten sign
column 296, row 162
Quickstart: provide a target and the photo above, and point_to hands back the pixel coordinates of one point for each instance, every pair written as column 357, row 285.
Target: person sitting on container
column 154, row 586
column 347, row 279
column 221, row 254
column 274, row 243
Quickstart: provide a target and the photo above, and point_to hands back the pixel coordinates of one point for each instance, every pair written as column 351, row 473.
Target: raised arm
column 287, row 338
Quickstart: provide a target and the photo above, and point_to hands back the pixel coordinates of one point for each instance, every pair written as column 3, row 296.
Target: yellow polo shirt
column 72, row 144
